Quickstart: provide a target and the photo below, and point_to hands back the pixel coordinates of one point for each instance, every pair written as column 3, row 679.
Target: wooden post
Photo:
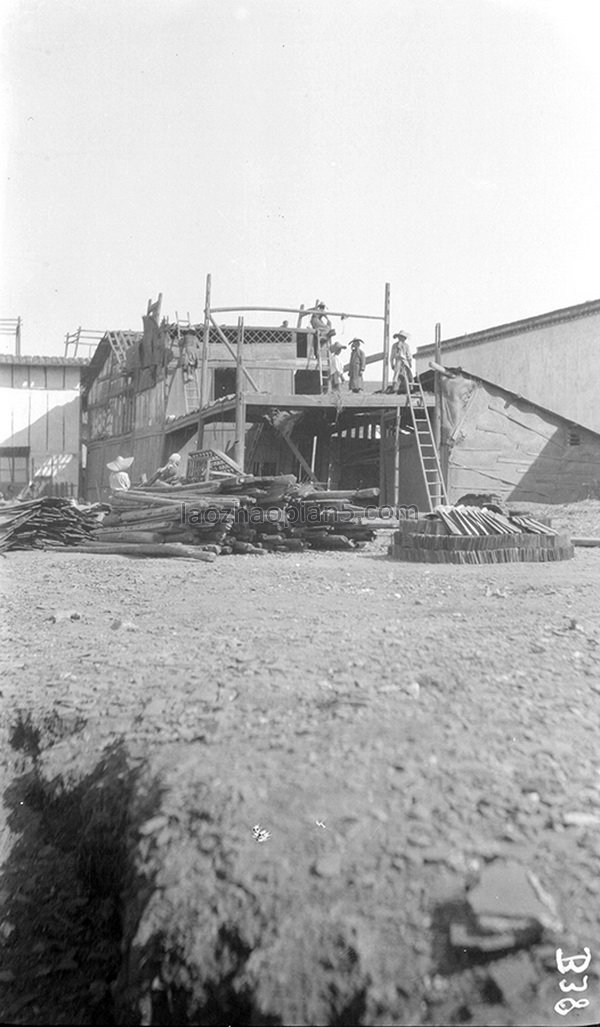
column 437, row 391
column 18, row 338
column 386, row 338
column 240, row 406
column 299, row 321
column 397, row 460
column 204, row 399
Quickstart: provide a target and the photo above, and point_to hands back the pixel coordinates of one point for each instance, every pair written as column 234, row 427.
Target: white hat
column 175, row 458
column 120, row 464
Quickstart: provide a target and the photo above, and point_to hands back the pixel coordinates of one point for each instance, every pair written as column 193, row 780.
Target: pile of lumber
column 227, row 514
column 287, row 516
column 477, row 535
column 48, row 522
column 238, row 514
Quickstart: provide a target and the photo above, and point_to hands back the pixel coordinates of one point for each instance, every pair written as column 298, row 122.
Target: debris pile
column 48, row 523
column 475, row 535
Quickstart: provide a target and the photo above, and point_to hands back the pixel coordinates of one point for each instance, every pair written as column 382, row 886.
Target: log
column 113, row 535
column 585, row 541
column 165, row 549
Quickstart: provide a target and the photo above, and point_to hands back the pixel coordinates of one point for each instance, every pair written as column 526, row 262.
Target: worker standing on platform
column 336, row 367
column 358, row 362
column 401, row 360
column 321, row 325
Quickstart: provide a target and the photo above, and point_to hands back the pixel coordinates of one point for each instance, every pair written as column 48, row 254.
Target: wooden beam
column 205, row 342
column 292, row 445
column 373, row 359
column 298, row 310
column 386, row 337
column 397, row 459
column 240, row 406
column 224, row 339
column 437, row 391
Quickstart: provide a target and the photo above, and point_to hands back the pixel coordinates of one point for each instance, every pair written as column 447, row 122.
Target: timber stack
column 48, row 523
column 477, row 535
column 239, row 514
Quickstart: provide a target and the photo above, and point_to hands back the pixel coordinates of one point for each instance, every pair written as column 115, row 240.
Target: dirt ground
column 394, row 727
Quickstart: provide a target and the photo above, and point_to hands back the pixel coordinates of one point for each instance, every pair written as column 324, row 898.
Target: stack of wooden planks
column 239, row 514
column 47, row 523
column 227, row 514
column 476, row 535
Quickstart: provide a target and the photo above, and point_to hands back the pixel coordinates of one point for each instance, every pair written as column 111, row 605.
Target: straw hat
column 120, row 464
column 175, row 458
column 400, row 335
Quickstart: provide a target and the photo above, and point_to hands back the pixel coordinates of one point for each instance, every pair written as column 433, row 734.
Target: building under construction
column 259, row 393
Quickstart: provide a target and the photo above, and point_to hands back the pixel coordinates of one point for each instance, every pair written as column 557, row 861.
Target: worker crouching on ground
column 358, row 362
column 119, row 480
column 401, row 360
column 336, row 367
column 169, row 474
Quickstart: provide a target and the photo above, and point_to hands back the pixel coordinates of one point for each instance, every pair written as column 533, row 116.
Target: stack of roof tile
column 477, row 535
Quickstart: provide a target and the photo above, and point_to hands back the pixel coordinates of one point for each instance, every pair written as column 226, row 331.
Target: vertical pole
column 240, row 412
column 383, row 497
column 437, row 391
column 313, row 459
column 397, row 460
column 18, row 338
column 386, row 338
column 205, row 340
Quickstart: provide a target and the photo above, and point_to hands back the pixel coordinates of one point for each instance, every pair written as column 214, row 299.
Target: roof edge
column 525, row 324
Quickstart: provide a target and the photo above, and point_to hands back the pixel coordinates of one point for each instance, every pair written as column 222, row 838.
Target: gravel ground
column 395, row 728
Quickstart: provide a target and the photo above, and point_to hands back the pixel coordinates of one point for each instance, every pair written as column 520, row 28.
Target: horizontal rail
column 304, row 311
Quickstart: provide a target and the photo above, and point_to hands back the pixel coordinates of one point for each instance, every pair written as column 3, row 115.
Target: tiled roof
column 10, row 358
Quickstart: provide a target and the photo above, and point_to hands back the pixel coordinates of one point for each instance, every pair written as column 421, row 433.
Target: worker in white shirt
column 401, row 360
column 119, row 480
column 336, row 367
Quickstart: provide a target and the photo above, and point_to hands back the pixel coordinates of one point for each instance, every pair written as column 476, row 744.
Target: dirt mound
column 222, row 926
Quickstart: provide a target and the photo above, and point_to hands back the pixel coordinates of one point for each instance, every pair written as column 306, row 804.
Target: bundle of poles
column 236, row 514
column 476, row 535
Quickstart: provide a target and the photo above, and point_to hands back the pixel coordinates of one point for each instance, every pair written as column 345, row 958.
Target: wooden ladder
column 120, row 343
column 323, row 368
column 191, row 394
column 429, row 457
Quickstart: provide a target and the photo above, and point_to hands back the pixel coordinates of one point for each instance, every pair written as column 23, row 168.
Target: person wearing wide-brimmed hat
column 324, row 331
column 401, row 360
column 358, row 362
column 119, row 480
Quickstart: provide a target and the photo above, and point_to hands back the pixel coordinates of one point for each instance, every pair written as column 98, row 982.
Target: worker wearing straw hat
column 401, row 360
column 358, row 362
column 119, row 480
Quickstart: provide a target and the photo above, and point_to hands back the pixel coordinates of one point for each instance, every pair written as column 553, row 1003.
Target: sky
column 295, row 150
